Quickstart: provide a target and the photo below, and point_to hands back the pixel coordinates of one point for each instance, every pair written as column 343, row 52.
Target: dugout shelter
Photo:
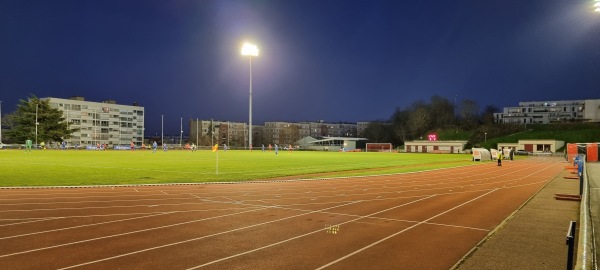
column 481, row 154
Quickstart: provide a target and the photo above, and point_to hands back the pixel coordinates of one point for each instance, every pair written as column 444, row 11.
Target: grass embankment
column 74, row 168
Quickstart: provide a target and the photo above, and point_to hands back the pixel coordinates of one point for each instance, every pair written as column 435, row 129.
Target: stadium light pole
column 197, row 132
column 36, row 124
column 162, row 141
column 250, row 50
column 485, row 137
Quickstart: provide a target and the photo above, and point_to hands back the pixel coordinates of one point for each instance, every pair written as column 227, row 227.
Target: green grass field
column 75, row 168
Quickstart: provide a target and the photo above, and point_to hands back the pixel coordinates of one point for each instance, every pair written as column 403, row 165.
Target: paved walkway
column 593, row 173
column 535, row 236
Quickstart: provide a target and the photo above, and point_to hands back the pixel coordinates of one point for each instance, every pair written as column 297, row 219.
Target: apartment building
column 545, row 112
column 101, row 122
column 223, row 132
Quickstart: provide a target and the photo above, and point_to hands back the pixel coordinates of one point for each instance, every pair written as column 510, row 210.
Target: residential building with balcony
column 545, row 112
column 101, row 122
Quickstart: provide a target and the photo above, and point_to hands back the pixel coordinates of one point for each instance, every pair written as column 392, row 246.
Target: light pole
column 197, row 132
column 181, row 133
column 485, row 137
column 36, row 123
column 250, row 50
column 161, row 130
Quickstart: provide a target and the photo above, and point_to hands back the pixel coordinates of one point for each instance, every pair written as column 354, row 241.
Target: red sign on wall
column 432, row 137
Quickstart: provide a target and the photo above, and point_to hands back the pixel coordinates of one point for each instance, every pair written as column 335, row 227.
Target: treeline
column 422, row 118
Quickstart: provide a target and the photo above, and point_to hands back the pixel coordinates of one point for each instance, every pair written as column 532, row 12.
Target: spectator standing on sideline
column 500, row 157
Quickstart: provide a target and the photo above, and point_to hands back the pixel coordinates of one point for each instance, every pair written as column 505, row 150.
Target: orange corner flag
column 215, row 148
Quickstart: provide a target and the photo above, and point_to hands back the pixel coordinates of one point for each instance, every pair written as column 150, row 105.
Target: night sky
column 332, row 60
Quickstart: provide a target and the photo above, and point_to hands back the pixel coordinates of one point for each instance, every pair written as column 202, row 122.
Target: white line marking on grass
column 206, row 236
column 402, row 231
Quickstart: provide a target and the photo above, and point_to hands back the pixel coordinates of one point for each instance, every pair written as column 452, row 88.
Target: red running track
column 426, row 220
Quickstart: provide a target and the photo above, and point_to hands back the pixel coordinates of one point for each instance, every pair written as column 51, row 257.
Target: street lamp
column 250, row 50
column 180, row 129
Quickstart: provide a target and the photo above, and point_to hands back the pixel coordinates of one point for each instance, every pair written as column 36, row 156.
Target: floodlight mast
column 250, row 50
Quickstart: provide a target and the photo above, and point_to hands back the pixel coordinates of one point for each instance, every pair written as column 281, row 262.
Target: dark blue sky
column 335, row 60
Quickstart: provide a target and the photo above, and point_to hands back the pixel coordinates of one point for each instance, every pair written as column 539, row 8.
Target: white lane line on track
column 306, row 234
column 102, row 201
column 543, row 181
column 127, row 233
column 113, row 215
column 206, row 236
column 96, row 207
column 83, row 226
column 408, row 221
column 404, row 230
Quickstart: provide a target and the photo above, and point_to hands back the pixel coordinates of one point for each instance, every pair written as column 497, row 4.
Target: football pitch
column 82, row 168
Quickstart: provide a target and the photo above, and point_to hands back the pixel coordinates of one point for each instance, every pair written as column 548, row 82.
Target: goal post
column 379, row 147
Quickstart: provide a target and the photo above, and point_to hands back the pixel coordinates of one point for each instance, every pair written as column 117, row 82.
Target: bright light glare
column 249, row 49
column 597, row 4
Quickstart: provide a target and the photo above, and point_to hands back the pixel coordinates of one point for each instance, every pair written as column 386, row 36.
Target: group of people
column 500, row 155
column 132, row 146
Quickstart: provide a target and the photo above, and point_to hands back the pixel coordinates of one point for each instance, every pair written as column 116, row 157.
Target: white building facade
column 101, row 122
column 545, row 112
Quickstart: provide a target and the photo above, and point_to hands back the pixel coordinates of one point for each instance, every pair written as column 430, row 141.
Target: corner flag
column 215, row 148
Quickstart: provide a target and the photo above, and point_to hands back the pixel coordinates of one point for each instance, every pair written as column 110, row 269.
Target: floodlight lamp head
column 249, row 49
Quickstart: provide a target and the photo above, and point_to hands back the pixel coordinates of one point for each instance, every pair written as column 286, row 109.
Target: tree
column 51, row 123
column 378, row 132
column 469, row 113
column 442, row 112
column 487, row 116
column 400, row 126
column 420, row 119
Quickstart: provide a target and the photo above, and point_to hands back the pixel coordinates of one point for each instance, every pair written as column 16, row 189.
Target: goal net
column 379, row 147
